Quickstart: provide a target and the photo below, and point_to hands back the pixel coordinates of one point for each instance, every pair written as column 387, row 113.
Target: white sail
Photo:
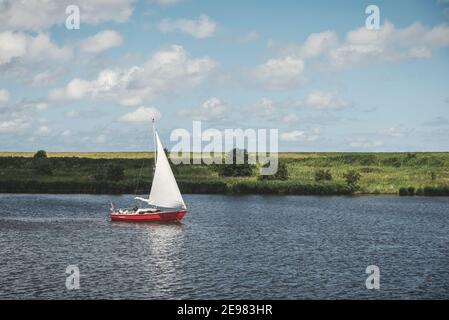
column 164, row 190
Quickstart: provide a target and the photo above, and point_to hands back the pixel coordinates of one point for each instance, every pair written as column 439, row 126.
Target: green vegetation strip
column 301, row 173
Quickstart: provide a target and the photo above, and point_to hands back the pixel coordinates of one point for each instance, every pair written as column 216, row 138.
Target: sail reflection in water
column 162, row 264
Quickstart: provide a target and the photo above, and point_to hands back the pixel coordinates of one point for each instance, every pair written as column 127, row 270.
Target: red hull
column 159, row 216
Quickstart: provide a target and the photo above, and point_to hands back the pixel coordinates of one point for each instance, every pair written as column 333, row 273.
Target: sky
column 311, row 69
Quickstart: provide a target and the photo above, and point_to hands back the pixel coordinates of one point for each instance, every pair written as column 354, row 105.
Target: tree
column 115, row 172
column 40, row 154
column 323, row 175
column 352, row 177
column 236, row 170
column 281, row 173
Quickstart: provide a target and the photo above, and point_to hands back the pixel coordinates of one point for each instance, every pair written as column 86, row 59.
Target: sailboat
column 165, row 201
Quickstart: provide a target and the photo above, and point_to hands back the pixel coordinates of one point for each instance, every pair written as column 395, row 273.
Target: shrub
column 236, row 170
column 352, row 177
column 410, row 191
column 115, row 172
column 281, row 173
column 99, row 175
column 42, row 166
column 40, row 154
column 433, row 175
column 436, row 191
column 392, row 161
column 323, row 175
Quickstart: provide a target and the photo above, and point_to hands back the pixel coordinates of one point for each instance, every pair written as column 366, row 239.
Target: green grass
column 381, row 173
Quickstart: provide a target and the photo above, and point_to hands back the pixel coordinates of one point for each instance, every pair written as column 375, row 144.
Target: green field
column 380, row 173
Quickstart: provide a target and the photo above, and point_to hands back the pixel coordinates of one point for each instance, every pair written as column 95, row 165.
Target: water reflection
column 160, row 244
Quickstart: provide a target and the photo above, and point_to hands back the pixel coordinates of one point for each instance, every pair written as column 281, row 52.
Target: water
column 227, row 247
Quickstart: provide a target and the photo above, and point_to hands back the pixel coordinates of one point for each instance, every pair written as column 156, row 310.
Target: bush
column 281, row 173
column 433, row 175
column 236, row 170
column 436, row 191
column 410, row 191
column 42, row 166
column 115, row 172
column 323, row 175
column 99, row 175
column 352, row 177
column 40, row 154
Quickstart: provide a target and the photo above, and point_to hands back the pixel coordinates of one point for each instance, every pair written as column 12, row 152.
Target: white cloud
column 66, row 133
column 200, row 28
column 43, row 131
column 41, row 106
column 315, row 45
column 102, row 41
column 4, row 96
column 45, row 78
column 249, row 37
column 30, row 49
column 296, row 135
column 168, row 71
column 290, row 118
column 72, row 114
column 393, row 132
column 263, row 108
column 19, row 116
column 212, row 108
column 283, row 73
column 389, row 44
column 14, row 124
column 324, row 101
column 100, row 139
column 36, row 15
column 131, row 101
column 363, row 47
column 142, row 114
column 364, row 143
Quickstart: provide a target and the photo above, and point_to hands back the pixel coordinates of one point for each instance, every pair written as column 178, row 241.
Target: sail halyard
column 164, row 189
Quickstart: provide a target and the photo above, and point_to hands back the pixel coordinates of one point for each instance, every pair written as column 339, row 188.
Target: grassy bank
column 380, row 173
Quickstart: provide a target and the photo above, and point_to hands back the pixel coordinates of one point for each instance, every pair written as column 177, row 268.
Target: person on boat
column 135, row 208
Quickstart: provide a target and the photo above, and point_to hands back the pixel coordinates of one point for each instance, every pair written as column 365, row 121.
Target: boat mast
column 155, row 147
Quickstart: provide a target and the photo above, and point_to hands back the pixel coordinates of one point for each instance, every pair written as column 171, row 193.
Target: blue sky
column 308, row 68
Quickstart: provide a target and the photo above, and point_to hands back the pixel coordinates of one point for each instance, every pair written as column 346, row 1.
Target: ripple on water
column 227, row 247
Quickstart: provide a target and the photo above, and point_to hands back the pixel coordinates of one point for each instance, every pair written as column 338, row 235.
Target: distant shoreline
column 406, row 174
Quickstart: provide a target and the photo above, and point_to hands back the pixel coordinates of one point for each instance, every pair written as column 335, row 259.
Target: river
column 227, row 247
